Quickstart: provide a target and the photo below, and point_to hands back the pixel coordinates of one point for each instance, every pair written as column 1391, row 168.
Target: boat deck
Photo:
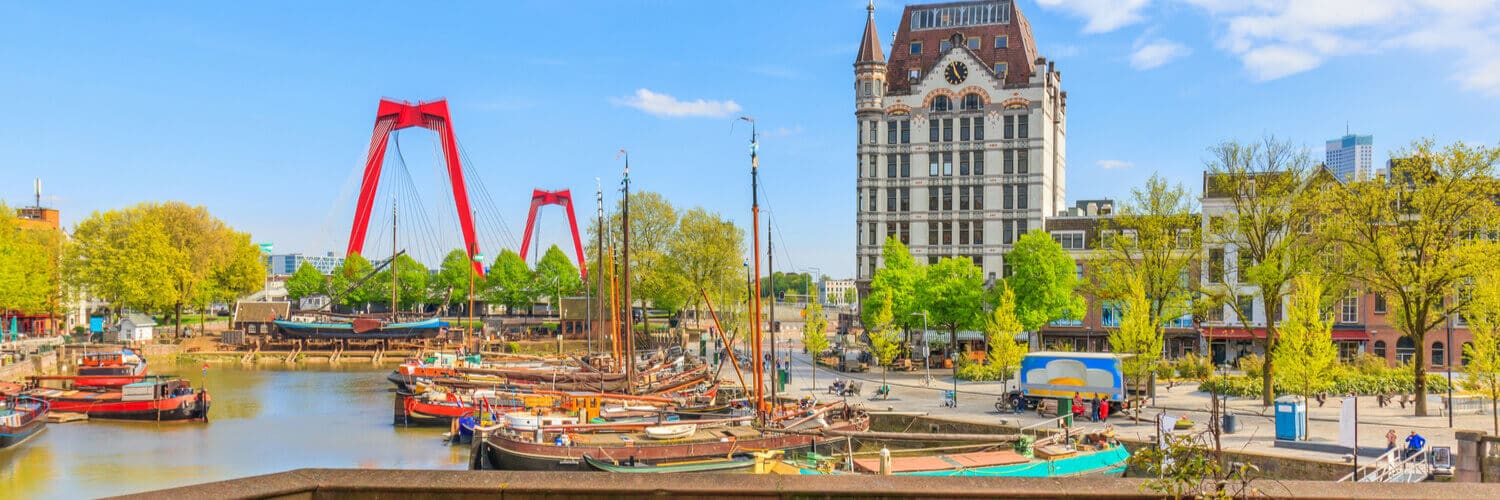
column 75, row 395
column 944, row 462
column 641, row 439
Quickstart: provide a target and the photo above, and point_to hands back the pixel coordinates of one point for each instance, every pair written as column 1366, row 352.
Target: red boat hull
column 107, row 380
column 187, row 407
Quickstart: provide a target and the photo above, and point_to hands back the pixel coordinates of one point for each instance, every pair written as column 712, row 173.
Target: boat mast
column 599, row 318
column 629, row 306
column 771, row 273
column 394, row 304
column 755, row 341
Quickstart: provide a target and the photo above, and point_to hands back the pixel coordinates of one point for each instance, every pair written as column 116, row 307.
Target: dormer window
column 916, row 48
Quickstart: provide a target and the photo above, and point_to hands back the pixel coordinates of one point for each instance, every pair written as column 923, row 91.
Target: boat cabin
column 153, row 390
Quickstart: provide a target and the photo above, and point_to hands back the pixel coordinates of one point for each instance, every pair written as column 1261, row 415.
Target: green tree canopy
column 1139, row 335
column 707, row 253
column 28, row 265
column 411, row 283
column 451, row 284
column 953, row 294
column 555, row 273
column 1305, row 354
column 347, row 275
column 898, row 278
column 1483, row 353
column 1001, row 329
column 815, row 334
column 1415, row 236
column 1043, row 281
column 307, row 281
column 510, row 283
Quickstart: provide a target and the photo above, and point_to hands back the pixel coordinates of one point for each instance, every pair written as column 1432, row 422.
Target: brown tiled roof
column 869, row 46
column 261, row 312
column 1019, row 55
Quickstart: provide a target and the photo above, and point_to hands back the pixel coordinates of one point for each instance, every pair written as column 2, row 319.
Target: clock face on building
column 956, row 72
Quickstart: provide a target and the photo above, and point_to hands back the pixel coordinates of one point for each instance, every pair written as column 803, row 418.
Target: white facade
column 286, row 264
column 834, row 290
column 957, row 163
column 135, row 328
column 1350, row 157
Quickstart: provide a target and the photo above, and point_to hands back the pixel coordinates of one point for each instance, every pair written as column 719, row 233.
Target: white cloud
column 1157, row 53
column 1103, row 16
column 1114, row 164
column 666, row 106
column 1270, row 63
column 783, row 131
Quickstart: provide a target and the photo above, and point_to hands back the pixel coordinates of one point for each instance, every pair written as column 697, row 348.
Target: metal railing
column 1393, row 467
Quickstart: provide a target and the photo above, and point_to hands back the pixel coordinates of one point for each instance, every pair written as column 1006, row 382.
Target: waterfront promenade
column 1256, row 433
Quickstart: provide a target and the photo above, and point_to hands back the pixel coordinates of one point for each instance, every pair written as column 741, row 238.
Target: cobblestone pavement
column 913, row 392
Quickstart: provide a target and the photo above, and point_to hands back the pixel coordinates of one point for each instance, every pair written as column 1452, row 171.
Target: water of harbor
column 263, row 420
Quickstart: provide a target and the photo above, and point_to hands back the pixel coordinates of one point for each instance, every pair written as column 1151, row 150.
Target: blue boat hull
column 425, row 329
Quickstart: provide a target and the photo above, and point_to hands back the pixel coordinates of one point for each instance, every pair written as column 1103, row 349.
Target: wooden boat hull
column 187, row 407
column 414, row 411
column 425, row 329
column 732, row 464
column 1108, row 462
column 503, row 454
column 31, row 420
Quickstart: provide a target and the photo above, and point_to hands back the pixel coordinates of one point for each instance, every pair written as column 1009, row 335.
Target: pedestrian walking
column 1390, row 440
column 1414, row 444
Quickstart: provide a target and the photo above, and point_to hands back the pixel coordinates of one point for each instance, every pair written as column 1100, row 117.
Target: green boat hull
column 733, row 464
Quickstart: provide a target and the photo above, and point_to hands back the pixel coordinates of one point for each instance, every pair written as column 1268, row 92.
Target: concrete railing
column 367, row 483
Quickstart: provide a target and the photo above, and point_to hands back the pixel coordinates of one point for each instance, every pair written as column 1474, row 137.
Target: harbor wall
column 1272, row 467
column 34, row 364
column 442, row 484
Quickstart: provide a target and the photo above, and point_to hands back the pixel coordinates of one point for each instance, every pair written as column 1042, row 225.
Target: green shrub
column 1368, row 363
column 1194, row 367
column 1252, row 364
column 976, row 372
column 1388, row 381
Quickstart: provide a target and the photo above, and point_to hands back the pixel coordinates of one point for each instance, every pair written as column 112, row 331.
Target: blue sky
column 262, row 112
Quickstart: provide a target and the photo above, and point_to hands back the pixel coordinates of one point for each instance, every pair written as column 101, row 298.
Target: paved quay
column 913, row 392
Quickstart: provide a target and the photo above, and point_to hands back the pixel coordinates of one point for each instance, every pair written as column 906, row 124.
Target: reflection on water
column 262, row 421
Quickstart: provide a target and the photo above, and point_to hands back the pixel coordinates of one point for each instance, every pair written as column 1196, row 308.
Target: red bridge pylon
column 564, row 198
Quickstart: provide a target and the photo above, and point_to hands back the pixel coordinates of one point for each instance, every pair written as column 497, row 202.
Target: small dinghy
column 671, row 431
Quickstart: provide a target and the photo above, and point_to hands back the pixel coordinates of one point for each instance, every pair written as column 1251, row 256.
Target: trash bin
column 1064, row 406
column 1290, row 423
column 1231, row 423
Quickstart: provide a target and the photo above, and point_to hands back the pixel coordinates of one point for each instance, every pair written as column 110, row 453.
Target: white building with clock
column 962, row 135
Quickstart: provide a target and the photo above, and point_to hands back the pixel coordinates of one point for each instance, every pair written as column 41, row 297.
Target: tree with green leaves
column 899, row 277
column 348, row 275
column 850, row 296
column 114, row 256
column 28, row 265
column 1043, row 279
column 1259, row 202
column 952, row 292
column 707, row 253
column 1417, row 236
column 1305, row 353
column 510, row 283
column 885, row 341
column 556, row 274
column 307, row 281
column 451, row 283
column 1482, row 373
column 815, row 335
column 1138, row 339
column 411, row 283
column 1000, row 330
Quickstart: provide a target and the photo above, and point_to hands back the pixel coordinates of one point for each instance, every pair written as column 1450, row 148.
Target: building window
column 979, row 156
column 1001, row 69
column 913, row 75
column 932, row 233
column 1069, row 240
column 874, row 132
column 873, row 204
column 1439, row 354
column 890, row 199
column 891, row 130
column 1009, row 162
column 1405, row 350
column 948, row 198
column 932, row 164
column 1215, row 265
column 933, row 130
column 1022, row 156
column 963, row 202
column 1021, row 126
column 1002, row 42
column 947, row 233
column 978, row 197
column 1247, row 308
column 932, row 199
column 890, row 166
column 867, row 89
column 1021, row 196
column 873, row 162
column 944, row 45
column 1010, row 127
column 1109, row 315
column 1379, row 303
column 972, row 102
column 916, row 48
column 1349, row 312
column 1379, row 348
column 978, row 128
column 905, row 165
column 947, row 130
column 905, row 199
column 947, row 164
column 963, row 161
column 941, row 104
column 1216, row 314
column 905, row 131
column 963, row 233
column 1245, row 263
column 978, row 232
column 974, row 43
column 963, row 129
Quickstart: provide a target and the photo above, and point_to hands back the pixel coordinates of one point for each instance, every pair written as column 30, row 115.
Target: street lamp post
column 1448, row 351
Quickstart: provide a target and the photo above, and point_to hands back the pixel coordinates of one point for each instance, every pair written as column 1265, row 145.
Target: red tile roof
column 869, row 45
